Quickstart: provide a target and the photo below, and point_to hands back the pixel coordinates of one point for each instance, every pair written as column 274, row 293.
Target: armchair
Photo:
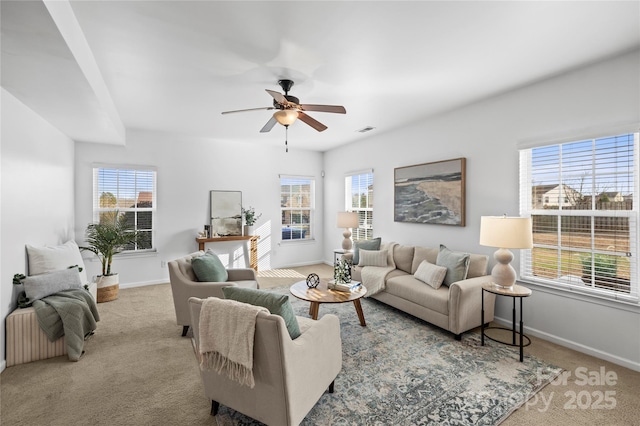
column 184, row 285
column 290, row 375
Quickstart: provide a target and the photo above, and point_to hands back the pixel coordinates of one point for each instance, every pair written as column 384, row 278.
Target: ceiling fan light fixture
column 286, row 117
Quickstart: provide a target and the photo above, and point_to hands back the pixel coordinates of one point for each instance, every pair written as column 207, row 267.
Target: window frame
column 97, row 209
column 527, row 209
column 364, row 231
column 310, row 233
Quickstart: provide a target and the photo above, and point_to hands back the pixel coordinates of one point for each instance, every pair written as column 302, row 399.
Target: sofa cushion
column 55, row 258
column 431, row 274
column 43, row 285
column 373, row 257
column 373, row 244
column 209, row 268
column 457, row 264
column 403, row 257
column 477, row 265
column 277, row 304
column 430, row 254
column 408, row 287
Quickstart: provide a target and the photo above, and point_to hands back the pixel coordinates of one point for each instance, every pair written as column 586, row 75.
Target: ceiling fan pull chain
column 286, row 138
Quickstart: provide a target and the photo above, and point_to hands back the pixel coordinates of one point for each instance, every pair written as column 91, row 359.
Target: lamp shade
column 347, row 220
column 286, row 117
column 506, row 232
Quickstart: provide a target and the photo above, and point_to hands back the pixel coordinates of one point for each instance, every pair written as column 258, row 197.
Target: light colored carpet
column 138, row 370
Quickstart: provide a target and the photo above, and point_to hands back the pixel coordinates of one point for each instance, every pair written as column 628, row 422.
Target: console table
column 253, row 258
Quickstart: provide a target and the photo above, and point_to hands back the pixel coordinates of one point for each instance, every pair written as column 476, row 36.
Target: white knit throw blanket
column 227, row 328
column 373, row 277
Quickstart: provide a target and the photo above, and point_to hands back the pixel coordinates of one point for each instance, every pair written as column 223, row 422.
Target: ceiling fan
column 289, row 109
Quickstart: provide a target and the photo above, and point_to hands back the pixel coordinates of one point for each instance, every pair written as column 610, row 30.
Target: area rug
column 399, row 370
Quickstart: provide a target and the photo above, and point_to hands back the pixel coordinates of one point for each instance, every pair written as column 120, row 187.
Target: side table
column 515, row 292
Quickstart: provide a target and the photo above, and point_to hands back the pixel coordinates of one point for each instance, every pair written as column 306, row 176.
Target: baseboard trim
column 3, row 365
column 144, row 283
column 627, row 363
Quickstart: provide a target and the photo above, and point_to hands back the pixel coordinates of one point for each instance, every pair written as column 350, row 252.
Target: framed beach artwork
column 431, row 193
column 226, row 213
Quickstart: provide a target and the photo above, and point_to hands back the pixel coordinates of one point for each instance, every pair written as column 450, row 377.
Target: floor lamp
column 347, row 220
column 505, row 233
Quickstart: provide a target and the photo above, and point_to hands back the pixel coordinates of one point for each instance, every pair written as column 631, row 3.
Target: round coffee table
column 323, row 294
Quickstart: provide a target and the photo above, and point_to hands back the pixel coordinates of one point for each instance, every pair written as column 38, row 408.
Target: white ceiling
column 95, row 68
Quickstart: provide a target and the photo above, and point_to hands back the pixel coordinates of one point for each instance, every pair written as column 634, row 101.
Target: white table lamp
column 347, row 220
column 505, row 233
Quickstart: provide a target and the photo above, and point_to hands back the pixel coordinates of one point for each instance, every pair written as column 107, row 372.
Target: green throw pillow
column 208, row 268
column 373, row 244
column 457, row 264
column 277, row 304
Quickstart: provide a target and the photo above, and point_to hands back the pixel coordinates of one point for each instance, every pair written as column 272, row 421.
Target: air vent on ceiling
column 366, row 129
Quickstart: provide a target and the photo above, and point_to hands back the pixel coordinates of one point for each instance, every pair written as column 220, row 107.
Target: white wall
column 188, row 168
column 37, row 193
column 487, row 134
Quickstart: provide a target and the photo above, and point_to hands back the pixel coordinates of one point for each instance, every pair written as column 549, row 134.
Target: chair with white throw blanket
column 286, row 376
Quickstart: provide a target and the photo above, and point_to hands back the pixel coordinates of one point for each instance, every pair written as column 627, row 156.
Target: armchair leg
column 331, row 386
column 185, row 328
column 214, row 407
column 458, row 337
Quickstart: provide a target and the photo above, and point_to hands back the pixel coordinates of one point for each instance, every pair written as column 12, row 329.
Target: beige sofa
column 290, row 375
column 184, row 285
column 456, row 308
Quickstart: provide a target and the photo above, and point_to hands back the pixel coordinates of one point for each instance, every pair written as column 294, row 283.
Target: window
column 130, row 192
column 358, row 189
column 589, row 242
column 297, row 195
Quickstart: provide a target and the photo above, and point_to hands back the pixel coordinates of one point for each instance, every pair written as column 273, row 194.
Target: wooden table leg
column 313, row 310
column 358, row 306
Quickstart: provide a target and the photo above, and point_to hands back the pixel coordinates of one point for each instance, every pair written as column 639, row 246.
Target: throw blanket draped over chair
column 226, row 332
column 70, row 313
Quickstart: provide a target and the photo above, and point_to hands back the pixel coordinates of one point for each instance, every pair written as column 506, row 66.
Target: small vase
column 248, row 230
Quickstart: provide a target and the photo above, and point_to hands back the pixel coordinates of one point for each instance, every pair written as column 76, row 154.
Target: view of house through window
column 359, row 198
column 297, row 195
column 580, row 196
column 130, row 193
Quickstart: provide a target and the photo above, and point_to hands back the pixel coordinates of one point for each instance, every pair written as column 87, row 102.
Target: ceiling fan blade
column 249, row 109
column 267, row 127
column 338, row 109
column 279, row 97
column 311, row 122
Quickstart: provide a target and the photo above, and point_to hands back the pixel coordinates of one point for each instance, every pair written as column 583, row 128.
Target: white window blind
column 583, row 200
column 130, row 192
column 358, row 189
column 297, row 202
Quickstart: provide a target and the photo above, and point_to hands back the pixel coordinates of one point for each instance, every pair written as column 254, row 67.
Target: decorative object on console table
column 347, row 220
column 431, row 193
column 226, row 213
column 505, row 233
column 110, row 236
column 250, row 218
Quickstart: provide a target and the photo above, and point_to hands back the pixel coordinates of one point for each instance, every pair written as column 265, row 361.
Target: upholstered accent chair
column 185, row 284
column 290, row 375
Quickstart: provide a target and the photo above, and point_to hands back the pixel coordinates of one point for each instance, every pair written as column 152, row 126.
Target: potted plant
column 250, row 217
column 111, row 236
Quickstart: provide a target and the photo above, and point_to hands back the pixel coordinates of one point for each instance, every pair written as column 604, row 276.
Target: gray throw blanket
column 70, row 313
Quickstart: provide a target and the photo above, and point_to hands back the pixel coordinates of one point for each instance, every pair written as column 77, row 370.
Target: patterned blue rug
column 399, row 370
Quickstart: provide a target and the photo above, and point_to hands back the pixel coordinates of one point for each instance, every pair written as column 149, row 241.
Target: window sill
column 627, row 303
column 129, row 255
column 287, row 242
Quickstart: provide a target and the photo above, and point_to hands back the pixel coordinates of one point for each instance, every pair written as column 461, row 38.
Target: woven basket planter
column 108, row 287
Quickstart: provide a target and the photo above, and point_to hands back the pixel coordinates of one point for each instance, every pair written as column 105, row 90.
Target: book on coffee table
column 345, row 287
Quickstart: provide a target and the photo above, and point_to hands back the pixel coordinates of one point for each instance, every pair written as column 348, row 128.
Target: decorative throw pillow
column 373, row 244
column 373, row 257
column 43, row 285
column 209, row 268
column 55, row 258
column 277, row 304
column 430, row 274
column 457, row 264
